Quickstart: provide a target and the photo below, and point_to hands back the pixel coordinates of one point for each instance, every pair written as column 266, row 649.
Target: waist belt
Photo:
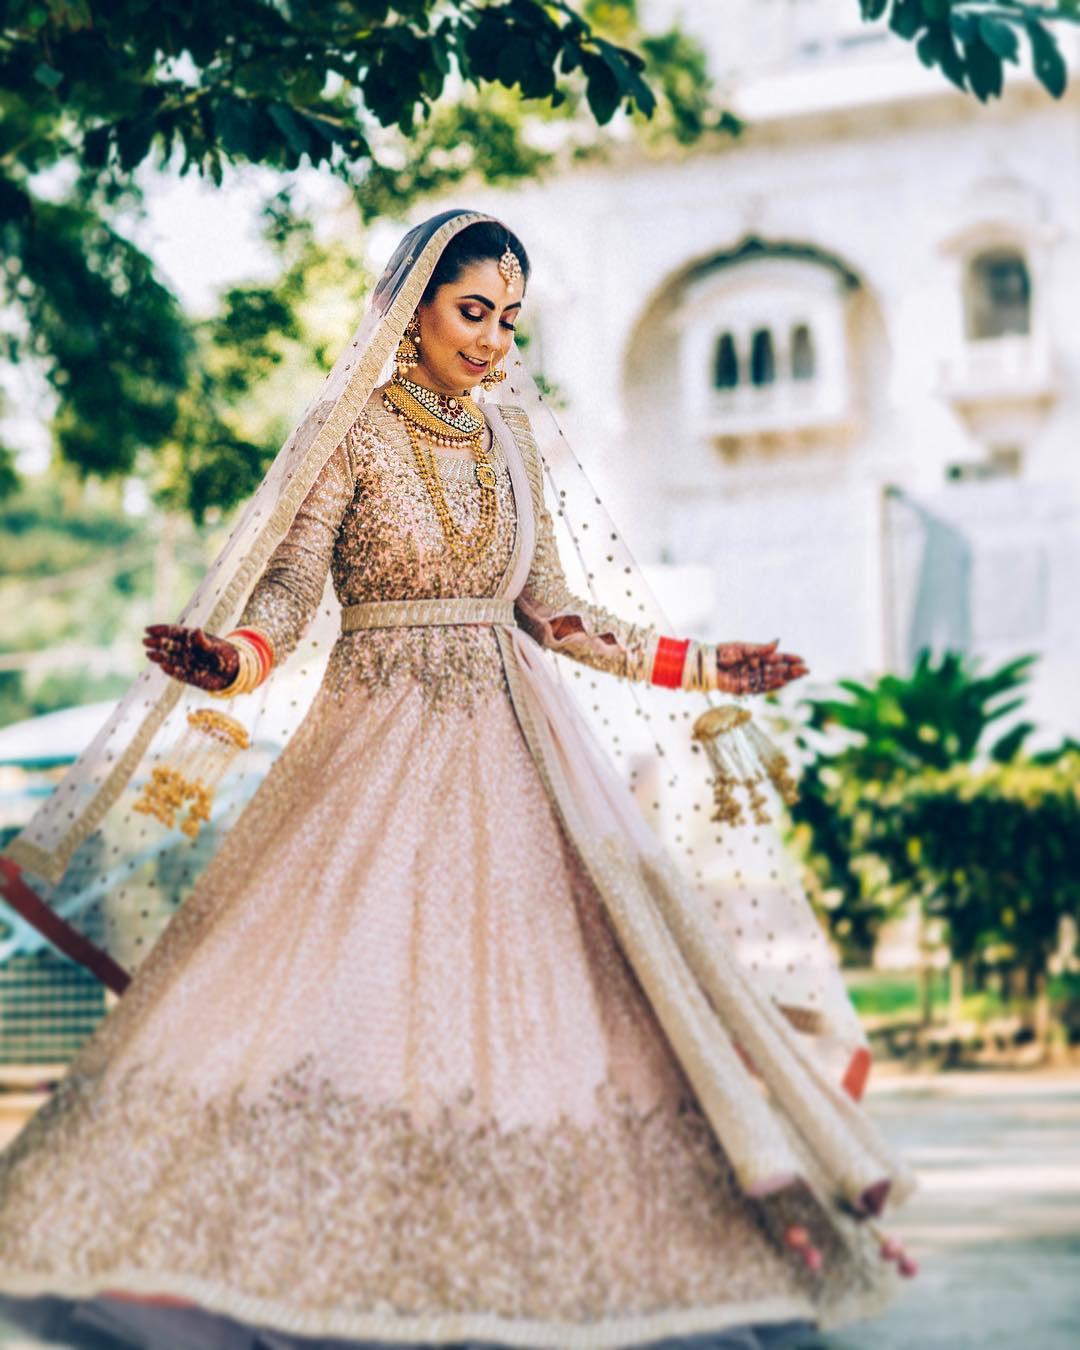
column 413, row 613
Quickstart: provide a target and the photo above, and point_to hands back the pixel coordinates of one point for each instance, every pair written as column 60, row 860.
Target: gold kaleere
column 205, row 749
column 742, row 757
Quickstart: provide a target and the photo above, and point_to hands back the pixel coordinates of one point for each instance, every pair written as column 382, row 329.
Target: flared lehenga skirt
column 386, row 1076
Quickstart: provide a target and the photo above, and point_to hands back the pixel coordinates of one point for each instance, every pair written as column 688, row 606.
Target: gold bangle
column 689, row 668
column 247, row 675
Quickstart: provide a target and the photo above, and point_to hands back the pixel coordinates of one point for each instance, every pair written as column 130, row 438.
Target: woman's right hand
column 191, row 655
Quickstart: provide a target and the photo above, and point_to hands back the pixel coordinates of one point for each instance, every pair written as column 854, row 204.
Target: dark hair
column 475, row 243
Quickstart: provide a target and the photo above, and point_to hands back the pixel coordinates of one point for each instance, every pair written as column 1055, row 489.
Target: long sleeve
column 563, row 622
column 288, row 592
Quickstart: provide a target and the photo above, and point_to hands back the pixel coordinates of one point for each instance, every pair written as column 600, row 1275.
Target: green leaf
column 1000, row 38
column 603, row 92
column 1010, row 745
column 569, row 58
column 133, row 140
column 47, row 75
column 984, row 71
column 95, row 146
column 290, row 126
column 907, row 18
column 238, row 123
column 1047, row 60
column 935, row 47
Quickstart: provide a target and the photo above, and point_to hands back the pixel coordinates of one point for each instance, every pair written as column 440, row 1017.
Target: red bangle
column 668, row 662
column 261, row 643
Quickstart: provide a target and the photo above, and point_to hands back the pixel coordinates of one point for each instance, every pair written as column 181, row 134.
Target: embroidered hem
column 529, row 1334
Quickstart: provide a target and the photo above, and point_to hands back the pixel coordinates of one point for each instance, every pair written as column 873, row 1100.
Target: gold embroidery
column 360, row 1213
column 369, row 521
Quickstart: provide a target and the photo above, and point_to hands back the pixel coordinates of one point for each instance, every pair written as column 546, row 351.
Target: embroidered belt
column 399, row 613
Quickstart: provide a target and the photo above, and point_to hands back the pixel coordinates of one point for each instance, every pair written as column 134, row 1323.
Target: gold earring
column 494, row 377
column 407, row 355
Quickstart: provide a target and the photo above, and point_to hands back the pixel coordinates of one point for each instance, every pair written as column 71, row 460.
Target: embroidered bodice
column 368, row 519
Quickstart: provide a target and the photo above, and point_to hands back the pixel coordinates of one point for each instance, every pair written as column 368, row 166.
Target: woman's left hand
column 755, row 667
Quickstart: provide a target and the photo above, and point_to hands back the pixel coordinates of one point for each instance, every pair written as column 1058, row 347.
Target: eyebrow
column 491, row 303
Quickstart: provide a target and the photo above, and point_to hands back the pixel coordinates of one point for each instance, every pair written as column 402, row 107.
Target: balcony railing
column 786, row 406
column 1011, row 369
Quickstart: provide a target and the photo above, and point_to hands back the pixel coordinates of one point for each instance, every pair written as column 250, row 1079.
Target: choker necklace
column 457, row 415
column 452, row 421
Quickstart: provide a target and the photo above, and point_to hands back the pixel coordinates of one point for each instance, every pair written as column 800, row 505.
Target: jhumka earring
column 408, row 355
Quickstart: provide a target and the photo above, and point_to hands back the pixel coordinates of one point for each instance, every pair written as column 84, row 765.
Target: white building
column 872, row 290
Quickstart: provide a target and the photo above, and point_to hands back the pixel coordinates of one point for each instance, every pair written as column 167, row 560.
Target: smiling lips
column 476, row 365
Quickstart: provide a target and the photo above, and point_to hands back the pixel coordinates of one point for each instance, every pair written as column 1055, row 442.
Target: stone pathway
column 995, row 1224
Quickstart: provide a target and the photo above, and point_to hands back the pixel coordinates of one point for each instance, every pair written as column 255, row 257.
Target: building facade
column 827, row 371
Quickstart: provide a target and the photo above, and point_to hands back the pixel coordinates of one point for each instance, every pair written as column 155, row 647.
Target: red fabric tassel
column 858, row 1071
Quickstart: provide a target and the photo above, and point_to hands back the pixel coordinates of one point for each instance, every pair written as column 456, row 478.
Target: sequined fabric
column 387, row 1073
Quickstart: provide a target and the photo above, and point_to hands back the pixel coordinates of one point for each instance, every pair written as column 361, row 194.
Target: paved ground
column 995, row 1224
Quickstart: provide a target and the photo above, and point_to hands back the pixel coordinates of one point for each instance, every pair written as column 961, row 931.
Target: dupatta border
column 334, row 425
column 641, row 896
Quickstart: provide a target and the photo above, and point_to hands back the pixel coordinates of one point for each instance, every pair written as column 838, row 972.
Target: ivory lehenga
column 389, row 1074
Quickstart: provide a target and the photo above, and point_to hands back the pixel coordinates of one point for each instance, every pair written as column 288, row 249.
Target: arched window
column 726, row 365
column 762, row 358
column 803, row 355
column 998, row 294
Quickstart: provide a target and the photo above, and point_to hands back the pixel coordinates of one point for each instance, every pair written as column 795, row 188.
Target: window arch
column 803, row 353
column 726, row 363
column 997, row 294
column 762, row 358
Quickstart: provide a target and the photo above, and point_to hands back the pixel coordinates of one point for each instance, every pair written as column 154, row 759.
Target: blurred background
column 803, row 282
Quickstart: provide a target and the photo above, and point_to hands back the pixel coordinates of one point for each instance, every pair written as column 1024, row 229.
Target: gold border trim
column 409, row 613
column 531, row 1334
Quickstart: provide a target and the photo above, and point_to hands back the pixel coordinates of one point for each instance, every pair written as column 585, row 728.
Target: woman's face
column 467, row 327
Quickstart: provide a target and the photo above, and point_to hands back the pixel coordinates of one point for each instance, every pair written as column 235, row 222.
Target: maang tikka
column 509, row 266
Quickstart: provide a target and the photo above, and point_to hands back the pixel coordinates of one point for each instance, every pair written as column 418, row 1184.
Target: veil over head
column 105, row 879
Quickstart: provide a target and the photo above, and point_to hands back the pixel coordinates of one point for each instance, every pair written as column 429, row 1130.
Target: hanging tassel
column 742, row 757
column 206, row 748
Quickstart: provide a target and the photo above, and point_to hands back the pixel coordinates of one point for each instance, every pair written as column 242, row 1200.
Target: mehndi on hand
column 192, row 655
column 755, row 667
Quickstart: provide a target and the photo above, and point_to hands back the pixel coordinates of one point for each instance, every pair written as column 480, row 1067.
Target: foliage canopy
column 397, row 99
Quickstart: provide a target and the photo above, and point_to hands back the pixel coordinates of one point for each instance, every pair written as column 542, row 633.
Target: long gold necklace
column 452, row 422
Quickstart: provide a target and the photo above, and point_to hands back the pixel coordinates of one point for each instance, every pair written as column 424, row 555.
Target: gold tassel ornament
column 742, row 757
column 208, row 745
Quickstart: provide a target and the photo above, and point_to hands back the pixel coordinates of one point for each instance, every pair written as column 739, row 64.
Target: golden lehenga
column 388, row 1074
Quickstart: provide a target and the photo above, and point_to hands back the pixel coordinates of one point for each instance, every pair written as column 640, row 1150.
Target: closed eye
column 476, row 318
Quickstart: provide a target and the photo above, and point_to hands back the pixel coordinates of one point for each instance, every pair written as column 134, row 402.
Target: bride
column 437, row 1047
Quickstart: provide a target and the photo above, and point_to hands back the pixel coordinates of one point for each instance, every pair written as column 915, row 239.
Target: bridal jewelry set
column 449, row 420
